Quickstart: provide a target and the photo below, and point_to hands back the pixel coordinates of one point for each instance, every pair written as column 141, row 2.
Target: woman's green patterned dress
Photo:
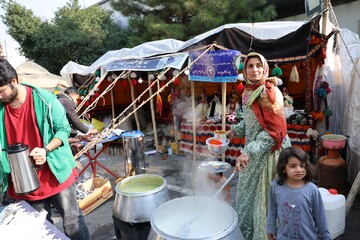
column 255, row 179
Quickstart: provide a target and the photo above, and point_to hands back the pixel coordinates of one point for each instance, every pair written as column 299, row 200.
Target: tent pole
column 134, row 106
column 176, row 135
column 112, row 104
column 325, row 17
column 153, row 118
column 193, row 117
column 223, row 94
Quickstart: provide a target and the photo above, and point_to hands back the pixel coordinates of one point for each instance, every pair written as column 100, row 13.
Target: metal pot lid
column 17, row 147
column 214, row 166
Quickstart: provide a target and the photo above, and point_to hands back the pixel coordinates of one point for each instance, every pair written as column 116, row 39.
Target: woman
column 264, row 128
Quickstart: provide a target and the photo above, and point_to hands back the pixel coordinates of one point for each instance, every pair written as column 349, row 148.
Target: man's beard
column 13, row 95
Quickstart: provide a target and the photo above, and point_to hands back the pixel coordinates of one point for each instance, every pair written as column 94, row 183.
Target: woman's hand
column 230, row 134
column 241, row 162
column 39, row 155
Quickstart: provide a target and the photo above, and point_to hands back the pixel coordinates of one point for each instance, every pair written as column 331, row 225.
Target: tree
column 74, row 34
column 1, row 51
column 182, row 19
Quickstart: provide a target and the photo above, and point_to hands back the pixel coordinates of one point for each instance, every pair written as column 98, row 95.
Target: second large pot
column 137, row 197
column 195, row 218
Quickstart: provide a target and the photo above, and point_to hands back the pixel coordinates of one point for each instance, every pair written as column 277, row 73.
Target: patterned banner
column 214, row 66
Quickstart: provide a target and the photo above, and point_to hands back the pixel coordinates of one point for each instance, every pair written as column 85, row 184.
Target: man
column 35, row 117
column 69, row 101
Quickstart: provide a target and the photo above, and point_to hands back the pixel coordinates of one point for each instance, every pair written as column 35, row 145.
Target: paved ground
column 179, row 172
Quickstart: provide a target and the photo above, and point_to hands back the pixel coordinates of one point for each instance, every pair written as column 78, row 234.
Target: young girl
column 296, row 210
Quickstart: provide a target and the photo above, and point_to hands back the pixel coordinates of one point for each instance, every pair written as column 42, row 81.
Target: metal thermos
column 23, row 171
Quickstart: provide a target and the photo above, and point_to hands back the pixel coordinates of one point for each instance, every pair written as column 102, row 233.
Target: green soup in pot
column 140, row 184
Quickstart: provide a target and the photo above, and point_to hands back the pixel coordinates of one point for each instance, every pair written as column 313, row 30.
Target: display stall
column 204, row 131
column 296, row 132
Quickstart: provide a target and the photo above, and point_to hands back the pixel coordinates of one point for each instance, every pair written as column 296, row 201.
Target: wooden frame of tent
column 112, row 126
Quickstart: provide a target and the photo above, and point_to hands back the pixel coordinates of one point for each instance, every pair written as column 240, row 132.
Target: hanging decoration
column 56, row 90
column 151, row 77
column 241, row 66
column 124, row 83
column 308, row 90
column 240, row 87
column 133, row 82
column 159, row 103
column 321, row 93
column 175, row 72
column 176, row 81
column 276, row 71
column 294, row 75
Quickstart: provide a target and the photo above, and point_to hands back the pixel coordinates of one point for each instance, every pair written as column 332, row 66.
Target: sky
column 42, row 8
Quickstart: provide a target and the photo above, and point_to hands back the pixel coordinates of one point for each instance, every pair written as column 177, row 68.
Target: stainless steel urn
column 23, row 171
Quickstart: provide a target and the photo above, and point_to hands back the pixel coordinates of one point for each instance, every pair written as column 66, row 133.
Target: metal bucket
column 23, row 171
column 138, row 196
column 134, row 157
column 214, row 220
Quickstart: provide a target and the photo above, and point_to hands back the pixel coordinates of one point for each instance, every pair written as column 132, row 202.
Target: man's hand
column 39, row 155
column 94, row 131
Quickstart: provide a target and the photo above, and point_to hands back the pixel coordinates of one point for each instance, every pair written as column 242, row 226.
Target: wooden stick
column 223, row 118
column 134, row 103
column 112, row 104
column 153, row 118
column 176, row 135
column 192, row 84
column 352, row 194
column 106, row 131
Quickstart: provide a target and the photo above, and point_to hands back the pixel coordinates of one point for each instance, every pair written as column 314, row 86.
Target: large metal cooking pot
column 195, row 218
column 138, row 196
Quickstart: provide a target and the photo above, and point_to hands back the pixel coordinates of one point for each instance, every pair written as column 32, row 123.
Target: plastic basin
column 333, row 141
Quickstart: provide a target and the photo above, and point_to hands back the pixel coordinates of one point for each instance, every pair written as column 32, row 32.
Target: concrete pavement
column 179, row 172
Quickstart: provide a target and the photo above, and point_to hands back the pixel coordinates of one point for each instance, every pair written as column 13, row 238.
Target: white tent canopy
column 34, row 74
column 262, row 30
column 71, row 68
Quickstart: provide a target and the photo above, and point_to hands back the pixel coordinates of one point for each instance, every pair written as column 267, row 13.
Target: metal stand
column 93, row 161
column 131, row 231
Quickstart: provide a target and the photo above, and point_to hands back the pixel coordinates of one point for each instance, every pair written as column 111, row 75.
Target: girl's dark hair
column 7, row 72
column 301, row 155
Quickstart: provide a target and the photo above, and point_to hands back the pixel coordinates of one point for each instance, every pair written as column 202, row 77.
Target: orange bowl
column 217, row 149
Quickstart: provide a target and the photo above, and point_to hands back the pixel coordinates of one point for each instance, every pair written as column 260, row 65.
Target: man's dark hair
column 71, row 90
column 7, row 72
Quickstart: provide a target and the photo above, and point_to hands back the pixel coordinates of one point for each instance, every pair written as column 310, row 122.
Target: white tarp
column 34, row 74
column 344, row 100
column 71, row 68
column 262, row 30
column 141, row 51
